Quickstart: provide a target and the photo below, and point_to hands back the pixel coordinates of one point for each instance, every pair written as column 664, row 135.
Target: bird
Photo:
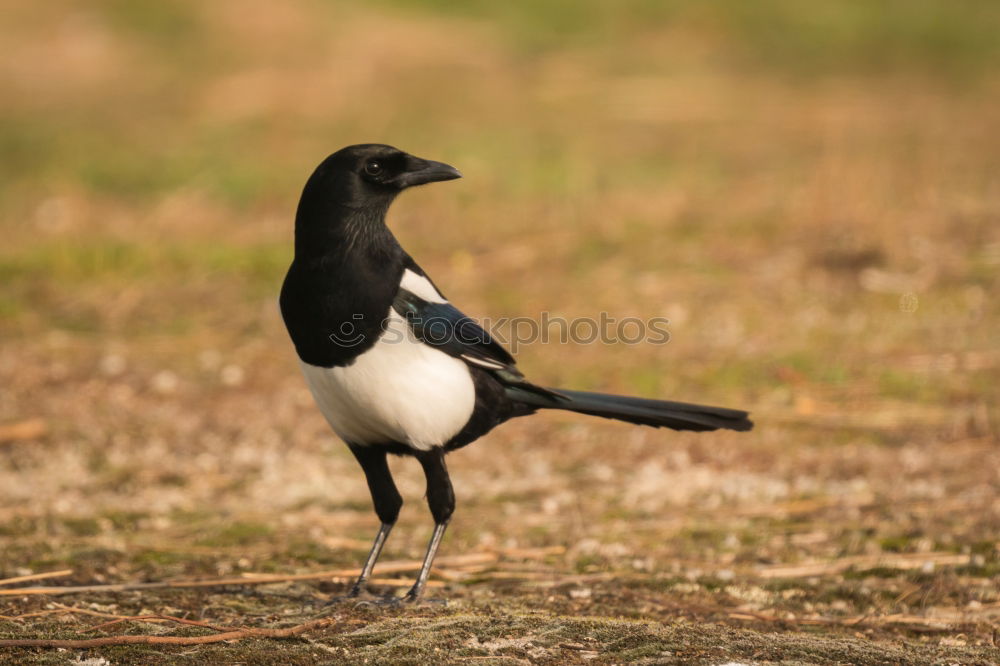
column 392, row 365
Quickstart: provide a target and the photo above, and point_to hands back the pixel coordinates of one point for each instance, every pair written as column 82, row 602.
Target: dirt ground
column 816, row 216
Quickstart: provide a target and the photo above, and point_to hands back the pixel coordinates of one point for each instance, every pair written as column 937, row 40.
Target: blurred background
column 807, row 191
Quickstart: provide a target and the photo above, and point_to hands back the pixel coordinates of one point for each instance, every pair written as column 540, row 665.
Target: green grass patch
column 117, row 260
column 237, row 534
column 949, row 41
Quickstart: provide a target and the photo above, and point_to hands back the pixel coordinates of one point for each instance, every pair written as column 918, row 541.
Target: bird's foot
column 362, row 597
column 358, row 594
column 374, row 602
column 371, row 601
column 417, row 600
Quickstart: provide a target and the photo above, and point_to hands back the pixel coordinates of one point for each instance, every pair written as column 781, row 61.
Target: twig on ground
column 901, row 561
column 227, row 634
column 61, row 610
column 23, row 430
column 38, row 576
column 252, row 579
column 161, row 618
column 532, row 553
column 897, row 619
column 458, row 561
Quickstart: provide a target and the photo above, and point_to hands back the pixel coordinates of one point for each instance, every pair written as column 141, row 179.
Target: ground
column 810, row 199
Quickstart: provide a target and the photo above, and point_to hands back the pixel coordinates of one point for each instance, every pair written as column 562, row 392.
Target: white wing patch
column 400, row 390
column 420, row 286
column 483, row 362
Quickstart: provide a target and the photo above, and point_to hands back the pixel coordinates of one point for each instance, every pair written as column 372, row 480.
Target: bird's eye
column 373, row 168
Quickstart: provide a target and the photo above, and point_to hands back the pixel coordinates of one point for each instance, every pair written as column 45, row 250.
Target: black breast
column 336, row 310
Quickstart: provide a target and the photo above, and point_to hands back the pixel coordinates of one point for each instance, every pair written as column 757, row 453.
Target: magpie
column 394, row 367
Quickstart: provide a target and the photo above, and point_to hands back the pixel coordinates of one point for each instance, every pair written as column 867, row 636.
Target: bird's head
column 344, row 202
column 371, row 175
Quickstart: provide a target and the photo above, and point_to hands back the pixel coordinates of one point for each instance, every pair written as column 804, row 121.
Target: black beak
column 421, row 172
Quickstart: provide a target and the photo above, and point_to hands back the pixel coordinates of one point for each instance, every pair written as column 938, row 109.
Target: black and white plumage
column 393, row 366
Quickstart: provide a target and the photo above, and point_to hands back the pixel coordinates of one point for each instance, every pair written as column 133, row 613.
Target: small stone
column 165, row 382
column 54, row 215
column 232, row 375
column 686, row 588
column 113, row 365
column 210, row 359
column 642, row 564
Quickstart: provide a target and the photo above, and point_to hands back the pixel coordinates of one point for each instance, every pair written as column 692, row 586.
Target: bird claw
column 379, row 602
column 355, row 596
column 369, row 601
column 414, row 601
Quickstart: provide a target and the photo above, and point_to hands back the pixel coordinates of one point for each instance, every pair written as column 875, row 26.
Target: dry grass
column 817, row 216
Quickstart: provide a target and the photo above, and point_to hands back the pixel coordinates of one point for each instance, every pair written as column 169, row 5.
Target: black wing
column 445, row 327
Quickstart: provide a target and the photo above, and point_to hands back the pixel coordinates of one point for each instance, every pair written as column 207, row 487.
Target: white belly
column 400, row 390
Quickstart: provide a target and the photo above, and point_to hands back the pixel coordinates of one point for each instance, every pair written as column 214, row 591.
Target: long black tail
column 643, row 411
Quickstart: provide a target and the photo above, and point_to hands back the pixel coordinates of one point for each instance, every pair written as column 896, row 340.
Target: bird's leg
column 361, row 584
column 387, row 503
column 425, row 569
column 441, row 500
